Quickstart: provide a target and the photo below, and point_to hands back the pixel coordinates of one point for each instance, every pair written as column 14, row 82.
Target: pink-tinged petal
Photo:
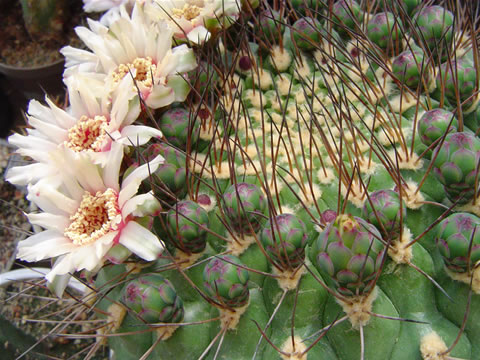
column 50, row 200
column 131, row 206
column 44, row 245
column 49, row 221
column 199, row 35
column 139, row 134
column 112, row 166
column 140, row 241
column 131, row 183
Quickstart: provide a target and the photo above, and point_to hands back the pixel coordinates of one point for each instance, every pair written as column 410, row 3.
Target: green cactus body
column 408, row 6
column 44, row 19
column 318, row 151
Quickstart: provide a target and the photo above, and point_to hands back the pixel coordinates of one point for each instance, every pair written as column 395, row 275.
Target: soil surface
column 18, row 48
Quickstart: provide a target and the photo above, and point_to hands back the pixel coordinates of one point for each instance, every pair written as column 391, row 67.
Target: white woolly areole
column 358, row 308
column 467, row 277
column 433, row 347
column 405, row 159
column 229, row 318
column 311, row 193
column 472, row 207
column 474, row 105
column 326, row 176
column 264, row 78
column 288, row 279
column 116, row 314
column 166, row 331
column 398, row 251
column 280, row 58
column 294, row 350
column 238, row 244
column 184, row 260
column 356, row 192
column 402, row 102
column 222, row 170
column 367, row 166
column 412, row 200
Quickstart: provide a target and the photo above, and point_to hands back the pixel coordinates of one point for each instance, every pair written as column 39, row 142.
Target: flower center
column 144, row 68
column 87, row 134
column 188, row 12
column 96, row 216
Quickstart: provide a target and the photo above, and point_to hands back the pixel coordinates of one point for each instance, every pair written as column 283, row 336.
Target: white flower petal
column 141, row 241
column 199, row 35
column 131, row 205
column 139, row 134
column 160, row 96
column 112, row 167
column 27, row 174
column 50, row 199
column 44, row 245
column 131, row 183
column 49, row 221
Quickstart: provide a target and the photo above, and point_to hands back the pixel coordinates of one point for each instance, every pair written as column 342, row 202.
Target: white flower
column 89, row 127
column 134, row 47
column 194, row 19
column 86, row 212
column 103, row 5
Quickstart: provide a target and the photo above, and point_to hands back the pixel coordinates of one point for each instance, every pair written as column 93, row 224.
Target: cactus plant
column 309, row 216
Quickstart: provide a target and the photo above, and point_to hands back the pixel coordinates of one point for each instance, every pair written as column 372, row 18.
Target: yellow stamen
column 188, row 12
column 144, row 70
column 87, row 134
column 96, row 216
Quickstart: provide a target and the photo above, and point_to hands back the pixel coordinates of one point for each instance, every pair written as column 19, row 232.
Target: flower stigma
column 96, row 216
column 88, row 134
